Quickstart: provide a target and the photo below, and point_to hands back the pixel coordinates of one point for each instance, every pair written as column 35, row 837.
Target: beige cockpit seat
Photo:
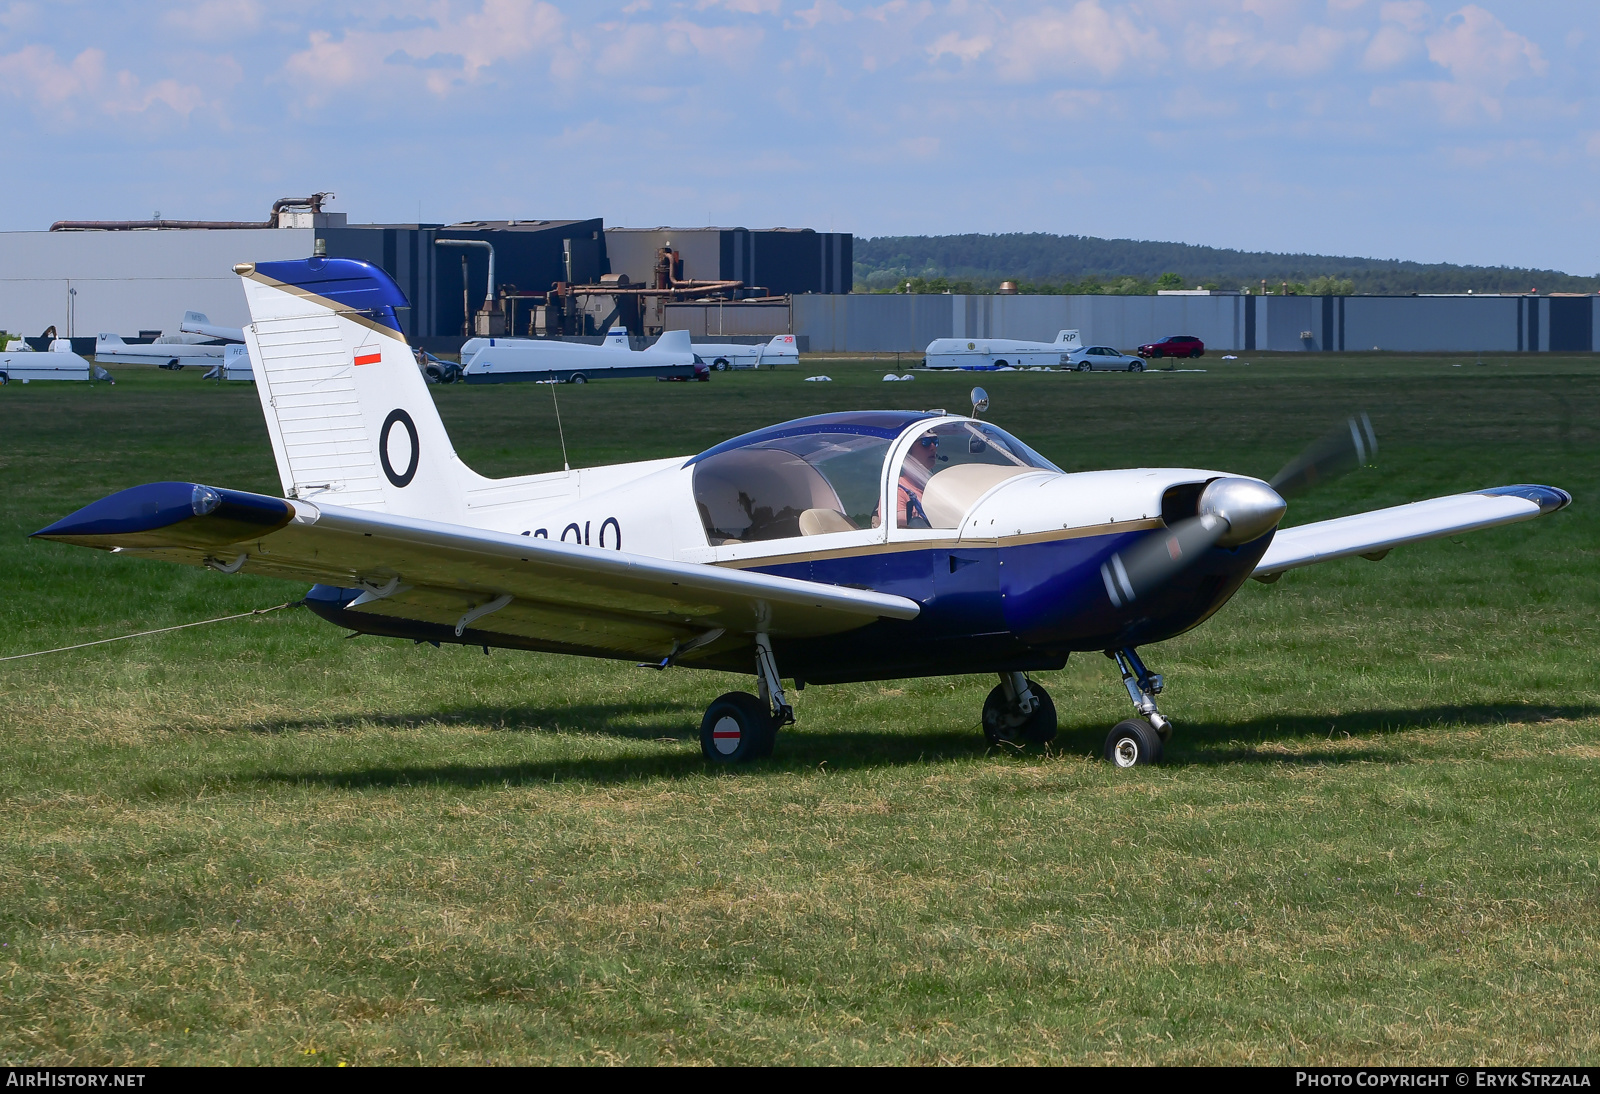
column 817, row 522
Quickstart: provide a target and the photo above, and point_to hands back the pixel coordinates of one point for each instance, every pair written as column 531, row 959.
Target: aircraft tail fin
column 348, row 411
column 673, row 341
column 197, row 322
column 782, row 344
column 1069, row 338
column 618, row 336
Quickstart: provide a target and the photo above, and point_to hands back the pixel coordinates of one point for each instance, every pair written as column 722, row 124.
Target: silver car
column 1102, row 359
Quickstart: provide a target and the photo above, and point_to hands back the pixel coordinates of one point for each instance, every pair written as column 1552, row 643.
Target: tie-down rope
column 158, row 630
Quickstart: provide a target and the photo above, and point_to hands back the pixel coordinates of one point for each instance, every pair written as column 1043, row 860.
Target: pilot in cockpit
column 920, row 464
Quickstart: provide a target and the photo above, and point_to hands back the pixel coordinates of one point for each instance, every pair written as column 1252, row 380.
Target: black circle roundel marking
column 404, row 477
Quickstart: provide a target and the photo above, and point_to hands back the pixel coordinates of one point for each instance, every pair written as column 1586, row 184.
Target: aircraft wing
column 555, row 595
column 1377, row 532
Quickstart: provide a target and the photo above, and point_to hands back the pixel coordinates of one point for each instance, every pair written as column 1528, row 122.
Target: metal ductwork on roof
column 311, row 205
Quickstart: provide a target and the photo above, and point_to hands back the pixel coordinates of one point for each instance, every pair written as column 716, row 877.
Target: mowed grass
column 1374, row 838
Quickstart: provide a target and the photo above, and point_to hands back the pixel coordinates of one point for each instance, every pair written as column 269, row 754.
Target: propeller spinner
column 1232, row 511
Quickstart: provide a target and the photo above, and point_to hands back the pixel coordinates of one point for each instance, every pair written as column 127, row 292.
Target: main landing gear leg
column 771, row 684
column 1138, row 740
column 740, row 727
column 1018, row 711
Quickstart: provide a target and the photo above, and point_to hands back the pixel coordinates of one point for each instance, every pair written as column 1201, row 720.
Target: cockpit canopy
column 825, row 474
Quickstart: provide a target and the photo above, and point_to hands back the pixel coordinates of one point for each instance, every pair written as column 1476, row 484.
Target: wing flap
column 1383, row 529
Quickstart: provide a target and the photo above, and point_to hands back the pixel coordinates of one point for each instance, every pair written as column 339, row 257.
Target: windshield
column 790, row 486
column 954, row 464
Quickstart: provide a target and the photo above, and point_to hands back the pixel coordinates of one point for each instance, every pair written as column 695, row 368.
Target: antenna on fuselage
column 980, row 401
column 565, row 466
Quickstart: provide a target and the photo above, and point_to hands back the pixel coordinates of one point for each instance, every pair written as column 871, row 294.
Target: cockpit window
column 951, row 466
column 790, row 486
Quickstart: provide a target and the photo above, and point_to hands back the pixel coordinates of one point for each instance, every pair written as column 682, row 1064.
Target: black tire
column 1158, row 353
column 739, row 713
column 1136, row 366
column 1195, row 355
column 1001, row 363
column 1001, row 726
column 1084, row 366
column 577, row 378
column 720, row 364
column 1133, row 743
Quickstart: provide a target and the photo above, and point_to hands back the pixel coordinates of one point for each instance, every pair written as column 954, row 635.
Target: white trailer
column 20, row 361
column 988, row 354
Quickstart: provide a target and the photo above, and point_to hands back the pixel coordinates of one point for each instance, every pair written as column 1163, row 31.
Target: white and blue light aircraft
column 848, row 546
column 505, row 360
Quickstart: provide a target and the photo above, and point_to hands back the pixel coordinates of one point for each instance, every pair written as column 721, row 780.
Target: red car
column 1179, row 345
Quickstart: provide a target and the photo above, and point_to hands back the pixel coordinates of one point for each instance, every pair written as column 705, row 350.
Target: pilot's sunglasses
column 928, row 442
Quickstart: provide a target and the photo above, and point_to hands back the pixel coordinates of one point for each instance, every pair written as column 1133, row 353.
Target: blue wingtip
column 159, row 505
column 1547, row 498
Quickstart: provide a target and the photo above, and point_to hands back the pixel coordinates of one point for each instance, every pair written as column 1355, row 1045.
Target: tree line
column 1050, row 264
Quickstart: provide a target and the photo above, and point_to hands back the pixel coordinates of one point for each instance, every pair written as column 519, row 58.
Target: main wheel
column 737, row 728
column 1135, row 366
column 1003, row 725
column 577, row 378
column 1132, row 743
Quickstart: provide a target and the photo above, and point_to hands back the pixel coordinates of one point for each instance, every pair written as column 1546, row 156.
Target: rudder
column 349, row 414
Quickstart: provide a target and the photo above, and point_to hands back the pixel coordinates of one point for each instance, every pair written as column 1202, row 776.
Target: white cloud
column 746, row 7
column 1480, row 50
column 449, row 47
column 66, row 89
column 215, row 20
column 822, row 12
column 1313, row 50
column 964, row 49
column 1412, row 15
column 1055, row 41
column 1390, row 47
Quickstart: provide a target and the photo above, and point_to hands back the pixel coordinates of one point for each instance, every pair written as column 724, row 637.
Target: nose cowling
column 1250, row 507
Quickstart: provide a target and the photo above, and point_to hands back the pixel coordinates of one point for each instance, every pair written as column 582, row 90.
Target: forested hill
column 1045, row 263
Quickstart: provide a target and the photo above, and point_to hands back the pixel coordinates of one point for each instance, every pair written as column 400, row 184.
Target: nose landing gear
column 1138, row 741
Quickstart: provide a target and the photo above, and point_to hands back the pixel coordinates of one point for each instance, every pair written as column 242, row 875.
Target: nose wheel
column 1138, row 741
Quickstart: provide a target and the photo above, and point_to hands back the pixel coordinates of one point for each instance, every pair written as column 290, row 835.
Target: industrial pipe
column 488, row 297
column 314, row 203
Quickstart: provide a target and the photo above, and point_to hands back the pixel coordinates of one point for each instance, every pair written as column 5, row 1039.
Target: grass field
column 1374, row 839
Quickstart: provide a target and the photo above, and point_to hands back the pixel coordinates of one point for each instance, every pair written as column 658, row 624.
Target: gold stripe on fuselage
column 899, row 546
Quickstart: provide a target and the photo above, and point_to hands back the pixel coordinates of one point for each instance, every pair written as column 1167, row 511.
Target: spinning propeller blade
column 1346, row 448
column 1232, row 511
column 1152, row 561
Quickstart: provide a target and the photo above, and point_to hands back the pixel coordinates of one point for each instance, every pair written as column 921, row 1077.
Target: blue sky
column 1410, row 129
